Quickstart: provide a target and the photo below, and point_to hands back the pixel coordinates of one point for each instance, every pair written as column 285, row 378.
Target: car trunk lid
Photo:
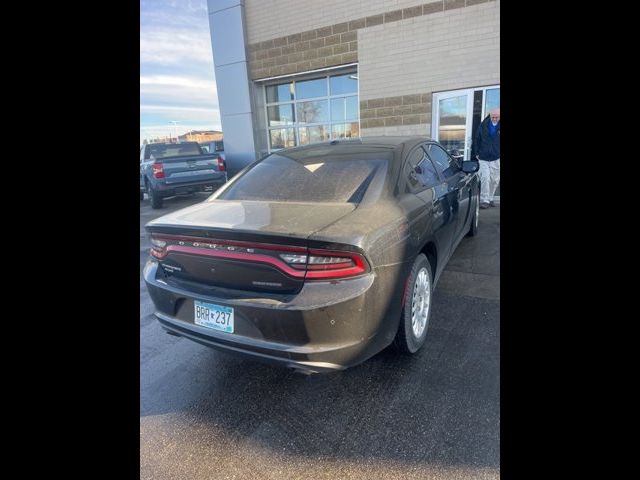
column 247, row 245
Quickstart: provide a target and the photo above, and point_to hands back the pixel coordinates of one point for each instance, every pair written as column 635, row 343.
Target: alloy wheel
column 421, row 303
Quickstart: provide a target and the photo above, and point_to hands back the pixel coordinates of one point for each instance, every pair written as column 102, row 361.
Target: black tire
column 141, row 195
column 154, row 197
column 406, row 340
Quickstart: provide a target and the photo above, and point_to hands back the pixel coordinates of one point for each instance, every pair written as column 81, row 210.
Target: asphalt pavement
column 436, row 415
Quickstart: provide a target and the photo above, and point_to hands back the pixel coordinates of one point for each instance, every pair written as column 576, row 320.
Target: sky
column 177, row 80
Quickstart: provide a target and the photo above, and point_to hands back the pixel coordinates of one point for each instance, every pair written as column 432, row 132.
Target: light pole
column 175, row 131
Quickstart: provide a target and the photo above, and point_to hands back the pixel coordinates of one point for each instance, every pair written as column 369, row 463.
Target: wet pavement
column 205, row 414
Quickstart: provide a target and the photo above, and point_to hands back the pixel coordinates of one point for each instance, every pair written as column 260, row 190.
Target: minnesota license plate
column 213, row 316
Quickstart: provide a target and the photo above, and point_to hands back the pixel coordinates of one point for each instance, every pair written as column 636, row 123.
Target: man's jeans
column 489, row 179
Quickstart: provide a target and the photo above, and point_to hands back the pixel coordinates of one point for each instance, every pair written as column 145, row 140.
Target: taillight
column 158, row 247
column 158, row 170
column 298, row 262
column 325, row 264
column 221, row 166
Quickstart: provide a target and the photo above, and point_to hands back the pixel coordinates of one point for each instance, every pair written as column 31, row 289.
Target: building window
column 300, row 112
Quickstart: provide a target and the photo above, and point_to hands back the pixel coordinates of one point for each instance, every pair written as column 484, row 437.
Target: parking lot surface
column 436, row 415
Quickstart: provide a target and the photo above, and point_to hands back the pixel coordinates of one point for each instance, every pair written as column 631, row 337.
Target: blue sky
column 177, row 80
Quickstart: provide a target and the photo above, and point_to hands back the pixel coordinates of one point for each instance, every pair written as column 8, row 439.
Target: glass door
column 452, row 120
column 457, row 115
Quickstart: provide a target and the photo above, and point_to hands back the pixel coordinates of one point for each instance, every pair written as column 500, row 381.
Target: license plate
column 213, row 316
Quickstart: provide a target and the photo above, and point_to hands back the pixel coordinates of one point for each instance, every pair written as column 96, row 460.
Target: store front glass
column 457, row 115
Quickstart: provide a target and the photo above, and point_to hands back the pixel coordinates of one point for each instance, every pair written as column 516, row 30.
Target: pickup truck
column 169, row 169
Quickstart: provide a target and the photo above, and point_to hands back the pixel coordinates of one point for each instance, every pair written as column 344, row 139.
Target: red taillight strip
column 329, row 266
column 251, row 257
column 359, row 268
column 306, row 271
column 260, row 246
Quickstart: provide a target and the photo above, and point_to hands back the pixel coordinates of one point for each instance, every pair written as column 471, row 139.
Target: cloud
column 172, row 108
column 179, row 92
column 177, row 80
column 172, row 46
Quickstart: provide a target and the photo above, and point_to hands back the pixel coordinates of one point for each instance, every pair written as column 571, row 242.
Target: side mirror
column 418, row 169
column 470, row 166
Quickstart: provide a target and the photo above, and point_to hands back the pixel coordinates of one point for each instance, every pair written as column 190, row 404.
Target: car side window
column 423, row 177
column 445, row 164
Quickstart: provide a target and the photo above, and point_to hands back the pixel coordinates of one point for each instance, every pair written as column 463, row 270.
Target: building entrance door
column 457, row 114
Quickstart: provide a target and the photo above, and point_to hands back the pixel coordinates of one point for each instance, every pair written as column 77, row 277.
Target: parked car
column 169, row 169
column 316, row 257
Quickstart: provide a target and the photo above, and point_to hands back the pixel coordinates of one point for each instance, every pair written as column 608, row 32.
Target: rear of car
column 249, row 270
column 175, row 169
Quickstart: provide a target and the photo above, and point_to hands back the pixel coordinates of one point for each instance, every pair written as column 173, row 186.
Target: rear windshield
column 161, row 150
column 284, row 179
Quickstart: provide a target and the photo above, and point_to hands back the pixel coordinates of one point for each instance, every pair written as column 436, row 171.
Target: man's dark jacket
column 484, row 145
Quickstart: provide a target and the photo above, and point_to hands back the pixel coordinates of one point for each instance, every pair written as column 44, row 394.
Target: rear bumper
column 326, row 326
column 265, row 351
column 169, row 190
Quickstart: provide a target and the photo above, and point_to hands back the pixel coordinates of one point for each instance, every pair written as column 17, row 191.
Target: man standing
column 486, row 148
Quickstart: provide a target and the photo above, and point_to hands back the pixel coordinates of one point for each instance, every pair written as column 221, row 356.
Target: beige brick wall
column 442, row 51
column 395, row 111
column 418, row 129
column 267, row 19
column 404, row 48
column 332, row 45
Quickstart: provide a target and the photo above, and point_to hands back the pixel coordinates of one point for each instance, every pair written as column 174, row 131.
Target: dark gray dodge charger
column 316, row 257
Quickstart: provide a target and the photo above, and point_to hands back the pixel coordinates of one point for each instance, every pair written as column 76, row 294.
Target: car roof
column 353, row 146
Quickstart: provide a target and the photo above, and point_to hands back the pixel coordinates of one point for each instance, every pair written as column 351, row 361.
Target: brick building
column 201, row 136
column 293, row 72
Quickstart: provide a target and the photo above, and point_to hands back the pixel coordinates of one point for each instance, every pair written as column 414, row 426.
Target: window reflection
column 345, row 130
column 492, row 100
column 280, row 115
column 309, row 118
column 315, row 134
column 452, row 122
column 312, row 112
column 280, row 93
column 343, row 84
column 282, row 138
column 311, row 88
column 344, row 109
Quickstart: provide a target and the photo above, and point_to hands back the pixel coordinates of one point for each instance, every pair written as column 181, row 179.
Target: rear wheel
column 141, row 195
column 416, row 311
column 154, row 197
column 473, row 229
